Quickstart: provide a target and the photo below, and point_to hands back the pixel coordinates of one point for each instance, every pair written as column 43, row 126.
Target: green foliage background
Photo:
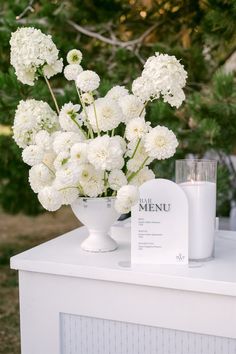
column 201, row 33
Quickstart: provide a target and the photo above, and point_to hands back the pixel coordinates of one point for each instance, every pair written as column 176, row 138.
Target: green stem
column 105, row 183
column 135, row 173
column 52, row 94
column 96, row 117
column 85, row 135
column 85, row 112
column 145, row 104
column 136, row 148
column 113, row 132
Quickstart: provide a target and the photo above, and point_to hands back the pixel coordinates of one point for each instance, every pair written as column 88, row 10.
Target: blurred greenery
column 201, row 33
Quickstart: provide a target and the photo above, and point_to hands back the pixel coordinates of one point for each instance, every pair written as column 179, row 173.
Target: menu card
column 159, row 224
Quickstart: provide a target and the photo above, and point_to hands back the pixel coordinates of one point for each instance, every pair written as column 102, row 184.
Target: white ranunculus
column 127, row 197
column 88, row 81
column 69, row 118
column 143, row 176
column 65, row 140
column 136, row 128
column 50, row 198
column 116, row 92
column 31, row 50
column 106, row 115
column 71, row 71
column 79, row 153
column 40, row 176
column 131, row 107
column 160, row 143
column 117, row 179
column 33, row 155
column 105, row 153
column 68, row 194
column 74, row 56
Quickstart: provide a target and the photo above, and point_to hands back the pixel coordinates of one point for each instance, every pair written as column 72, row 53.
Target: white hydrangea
column 74, row 56
column 62, row 160
column 94, row 186
column 131, row 107
column 143, row 89
column 167, row 76
column 40, row 176
column 31, row 50
column 69, row 118
column 50, row 198
column 127, row 197
column 107, row 114
column 87, row 98
column 53, row 69
column 65, row 140
column 136, row 128
column 105, row 153
column 68, row 194
column 44, row 140
column 116, row 92
column 117, row 179
column 71, row 71
column 88, row 81
column 144, row 175
column 79, row 153
column 160, row 143
column 32, row 155
column 32, row 116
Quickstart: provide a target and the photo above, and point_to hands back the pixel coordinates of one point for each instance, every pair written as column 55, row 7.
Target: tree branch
column 29, row 7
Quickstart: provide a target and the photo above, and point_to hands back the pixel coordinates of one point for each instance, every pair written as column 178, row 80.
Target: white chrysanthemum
column 160, row 143
column 167, row 76
column 50, row 198
column 49, row 158
column 65, row 140
column 78, row 153
column 74, row 56
column 107, row 114
column 143, row 176
column 39, row 177
column 62, row 160
column 88, row 81
column 68, row 176
column 116, row 92
column 93, row 187
column 136, row 128
column 131, row 107
column 53, row 69
column 32, row 155
column 32, row 116
column 127, row 196
column 68, row 194
column 87, row 98
column 69, row 118
column 121, row 141
column 117, row 179
column 104, row 153
column 44, row 140
column 30, row 50
column 71, row 71
column 143, row 89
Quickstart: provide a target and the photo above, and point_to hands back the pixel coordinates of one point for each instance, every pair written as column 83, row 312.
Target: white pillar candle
column 202, row 208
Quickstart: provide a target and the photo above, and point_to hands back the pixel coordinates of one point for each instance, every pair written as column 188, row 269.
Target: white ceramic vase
column 98, row 215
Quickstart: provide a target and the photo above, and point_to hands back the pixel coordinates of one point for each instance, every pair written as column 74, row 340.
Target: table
column 74, row 302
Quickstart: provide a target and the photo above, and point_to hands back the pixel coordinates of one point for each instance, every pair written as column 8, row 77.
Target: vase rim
column 97, row 198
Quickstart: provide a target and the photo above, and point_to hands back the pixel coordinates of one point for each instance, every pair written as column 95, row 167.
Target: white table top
column 63, row 256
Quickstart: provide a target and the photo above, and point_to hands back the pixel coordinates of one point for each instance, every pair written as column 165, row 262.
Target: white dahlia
column 62, row 160
column 143, row 89
column 40, row 176
column 105, row 113
column 160, row 143
column 50, row 198
column 88, row 81
column 127, row 197
column 32, row 155
column 71, row 71
column 44, row 140
column 68, row 194
column 78, row 153
column 74, row 56
column 116, row 92
column 65, row 140
column 136, row 128
column 131, row 107
column 117, row 179
column 93, row 187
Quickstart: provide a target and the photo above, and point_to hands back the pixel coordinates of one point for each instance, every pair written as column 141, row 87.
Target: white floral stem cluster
column 78, row 151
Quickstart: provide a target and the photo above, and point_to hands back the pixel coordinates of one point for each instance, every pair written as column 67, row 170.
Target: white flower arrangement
column 98, row 146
